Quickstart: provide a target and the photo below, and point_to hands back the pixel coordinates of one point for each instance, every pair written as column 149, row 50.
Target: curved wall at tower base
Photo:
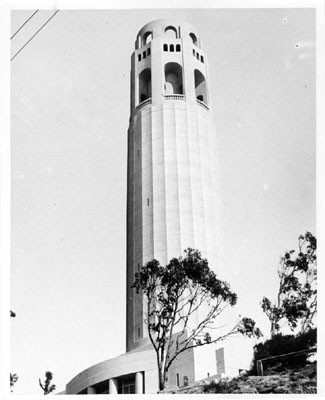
column 133, row 372
column 137, row 372
column 127, row 373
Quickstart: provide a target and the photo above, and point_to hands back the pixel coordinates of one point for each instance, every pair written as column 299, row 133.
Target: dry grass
column 290, row 381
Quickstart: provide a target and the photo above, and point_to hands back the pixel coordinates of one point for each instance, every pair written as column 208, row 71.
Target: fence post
column 259, row 367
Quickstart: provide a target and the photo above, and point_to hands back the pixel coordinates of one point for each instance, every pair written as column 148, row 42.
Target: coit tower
column 172, row 193
column 172, row 198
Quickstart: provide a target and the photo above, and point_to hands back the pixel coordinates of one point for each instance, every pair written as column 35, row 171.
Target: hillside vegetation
column 299, row 381
column 290, row 381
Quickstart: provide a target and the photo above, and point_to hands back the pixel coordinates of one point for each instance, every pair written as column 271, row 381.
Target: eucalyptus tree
column 174, row 293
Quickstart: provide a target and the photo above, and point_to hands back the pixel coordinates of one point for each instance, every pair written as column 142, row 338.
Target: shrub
column 284, row 344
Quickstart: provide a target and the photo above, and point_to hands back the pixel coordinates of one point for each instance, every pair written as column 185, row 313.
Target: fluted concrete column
column 112, row 385
column 139, row 383
column 91, row 390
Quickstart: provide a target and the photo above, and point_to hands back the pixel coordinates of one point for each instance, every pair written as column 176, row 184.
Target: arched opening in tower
column 173, row 78
column 200, row 86
column 194, row 38
column 147, row 37
column 171, row 32
column 144, row 85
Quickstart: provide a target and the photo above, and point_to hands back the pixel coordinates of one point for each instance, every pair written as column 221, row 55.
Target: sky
column 70, row 94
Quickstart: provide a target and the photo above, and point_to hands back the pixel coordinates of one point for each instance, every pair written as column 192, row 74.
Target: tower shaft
column 173, row 195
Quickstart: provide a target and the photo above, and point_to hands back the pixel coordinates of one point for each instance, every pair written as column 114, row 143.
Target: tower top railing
column 202, row 104
column 144, row 103
column 175, row 97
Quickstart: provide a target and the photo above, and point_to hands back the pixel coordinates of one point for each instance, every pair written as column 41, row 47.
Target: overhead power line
column 28, row 41
column 23, row 24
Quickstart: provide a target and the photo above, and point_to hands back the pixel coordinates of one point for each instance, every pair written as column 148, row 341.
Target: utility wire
column 52, row 16
column 24, row 24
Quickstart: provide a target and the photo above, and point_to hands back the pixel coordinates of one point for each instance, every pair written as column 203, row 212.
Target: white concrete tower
column 173, row 194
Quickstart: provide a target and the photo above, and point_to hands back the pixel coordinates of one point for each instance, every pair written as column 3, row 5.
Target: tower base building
column 172, row 196
column 136, row 372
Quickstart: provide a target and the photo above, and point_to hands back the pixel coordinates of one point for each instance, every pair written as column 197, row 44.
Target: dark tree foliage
column 46, row 386
column 13, row 377
column 296, row 300
column 283, row 344
column 174, row 294
column 13, row 380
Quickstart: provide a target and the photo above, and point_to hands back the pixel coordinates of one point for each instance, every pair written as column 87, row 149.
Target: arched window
column 165, row 47
column 147, row 37
column 139, row 57
column 200, row 86
column 194, row 38
column 178, row 47
column 173, row 78
column 148, row 51
column 202, row 59
column 171, row 32
column 171, row 47
column 144, row 85
column 193, row 52
column 197, row 56
column 144, row 54
column 138, row 42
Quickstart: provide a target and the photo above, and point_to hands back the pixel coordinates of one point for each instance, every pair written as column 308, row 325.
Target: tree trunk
column 162, row 378
column 272, row 329
column 162, row 370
